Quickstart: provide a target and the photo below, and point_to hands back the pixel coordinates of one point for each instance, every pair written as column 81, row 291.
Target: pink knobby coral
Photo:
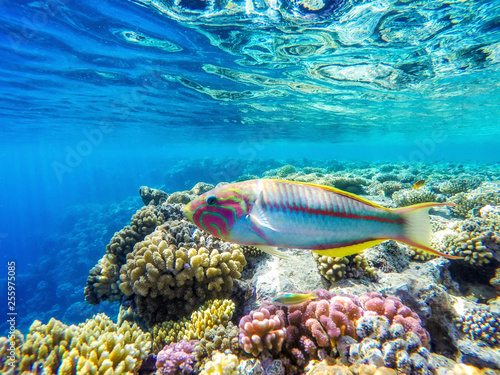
column 394, row 310
column 261, row 329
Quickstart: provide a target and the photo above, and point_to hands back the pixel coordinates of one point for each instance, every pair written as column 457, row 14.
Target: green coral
column 220, row 337
column 337, row 268
column 163, row 272
column 97, row 346
column 212, row 314
column 407, row 197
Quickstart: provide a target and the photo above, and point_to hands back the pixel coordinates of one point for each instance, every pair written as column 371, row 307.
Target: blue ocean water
column 101, row 97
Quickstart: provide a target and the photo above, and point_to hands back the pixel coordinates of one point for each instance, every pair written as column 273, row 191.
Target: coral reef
column 370, row 329
column 336, row 268
column 213, row 314
column 176, row 358
column 482, row 324
column 10, row 352
column 420, row 255
column 261, row 329
column 469, row 203
column 220, row 337
column 102, row 282
column 169, row 279
column 152, row 196
column 459, row 185
column 97, row 346
column 221, row 364
column 407, row 197
column 477, row 240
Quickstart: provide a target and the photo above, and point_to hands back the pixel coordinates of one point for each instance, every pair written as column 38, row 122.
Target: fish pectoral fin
column 258, row 215
column 272, row 250
column 350, row 249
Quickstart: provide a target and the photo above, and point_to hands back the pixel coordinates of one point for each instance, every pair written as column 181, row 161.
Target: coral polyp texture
column 97, row 346
column 337, row 268
column 407, row 197
column 221, row 364
column 482, row 324
column 168, row 278
column 176, row 358
column 371, row 329
column 212, row 314
column 102, row 282
column 477, row 240
column 261, row 329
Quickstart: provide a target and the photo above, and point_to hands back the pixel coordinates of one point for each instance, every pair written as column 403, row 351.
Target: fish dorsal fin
column 337, row 191
column 258, row 215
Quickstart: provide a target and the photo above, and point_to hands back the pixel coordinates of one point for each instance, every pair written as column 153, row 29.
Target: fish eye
column 211, row 199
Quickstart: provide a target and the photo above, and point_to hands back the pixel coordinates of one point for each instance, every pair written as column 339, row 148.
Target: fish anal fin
column 349, row 250
column 272, row 250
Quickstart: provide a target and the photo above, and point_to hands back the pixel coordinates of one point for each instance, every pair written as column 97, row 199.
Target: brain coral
column 97, row 346
column 102, row 282
column 170, row 277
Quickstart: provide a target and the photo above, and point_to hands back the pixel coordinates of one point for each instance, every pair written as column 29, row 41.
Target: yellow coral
column 212, row 313
column 97, row 346
column 181, row 276
column 221, row 364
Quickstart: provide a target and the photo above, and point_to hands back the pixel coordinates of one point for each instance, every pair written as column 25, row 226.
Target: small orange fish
column 419, row 184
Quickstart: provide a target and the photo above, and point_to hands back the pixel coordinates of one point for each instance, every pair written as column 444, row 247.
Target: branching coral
column 459, row 185
column 482, row 324
column 169, row 279
column 10, row 352
column 336, row 268
column 221, row 337
column 212, row 314
column 102, row 282
column 97, row 346
column 420, row 255
column 477, row 240
column 407, row 197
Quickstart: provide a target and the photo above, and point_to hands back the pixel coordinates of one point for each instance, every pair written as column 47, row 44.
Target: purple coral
column 176, row 358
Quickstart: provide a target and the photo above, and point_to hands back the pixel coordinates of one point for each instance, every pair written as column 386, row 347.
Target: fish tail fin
column 417, row 227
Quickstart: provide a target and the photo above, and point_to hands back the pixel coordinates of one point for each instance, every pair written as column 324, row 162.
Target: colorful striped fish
column 274, row 213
